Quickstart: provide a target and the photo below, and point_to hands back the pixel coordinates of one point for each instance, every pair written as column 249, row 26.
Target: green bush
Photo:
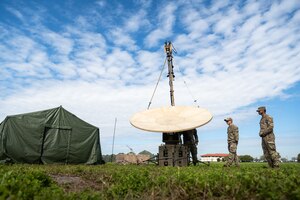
column 25, row 183
column 111, row 181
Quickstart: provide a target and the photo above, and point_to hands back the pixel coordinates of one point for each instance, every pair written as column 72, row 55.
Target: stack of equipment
column 173, row 155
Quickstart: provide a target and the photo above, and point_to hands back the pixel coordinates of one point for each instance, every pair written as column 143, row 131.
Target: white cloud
column 194, row 23
column 281, row 9
column 216, row 6
column 99, row 80
column 226, row 24
column 122, row 39
column 150, row 62
column 252, row 7
column 136, row 22
column 101, row 3
column 250, row 24
column 83, row 22
column 164, row 30
column 63, row 45
column 16, row 13
column 117, row 63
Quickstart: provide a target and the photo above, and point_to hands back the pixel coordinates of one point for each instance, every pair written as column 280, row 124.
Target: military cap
column 261, row 108
column 228, row 119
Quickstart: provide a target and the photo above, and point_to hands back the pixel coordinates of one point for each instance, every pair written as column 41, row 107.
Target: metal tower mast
column 168, row 50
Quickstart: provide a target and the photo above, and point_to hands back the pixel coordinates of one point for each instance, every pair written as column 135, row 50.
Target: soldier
column 232, row 139
column 171, row 138
column 190, row 139
column 268, row 138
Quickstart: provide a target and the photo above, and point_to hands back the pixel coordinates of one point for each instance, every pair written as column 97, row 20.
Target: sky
column 101, row 61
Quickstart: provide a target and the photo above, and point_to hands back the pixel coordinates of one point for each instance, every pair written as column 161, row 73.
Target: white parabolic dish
column 171, row 119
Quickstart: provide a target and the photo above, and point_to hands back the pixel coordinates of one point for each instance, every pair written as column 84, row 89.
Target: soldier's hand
column 264, row 134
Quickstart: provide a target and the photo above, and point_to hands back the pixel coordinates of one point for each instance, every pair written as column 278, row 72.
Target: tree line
column 243, row 158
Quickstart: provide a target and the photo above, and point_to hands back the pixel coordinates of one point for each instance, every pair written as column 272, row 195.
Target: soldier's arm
column 270, row 126
column 236, row 134
column 261, row 134
column 179, row 136
column 196, row 136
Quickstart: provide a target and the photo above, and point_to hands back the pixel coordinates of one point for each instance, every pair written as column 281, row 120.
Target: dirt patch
column 71, row 183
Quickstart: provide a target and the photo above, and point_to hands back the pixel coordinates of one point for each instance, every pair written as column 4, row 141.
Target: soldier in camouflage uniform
column 268, row 138
column 232, row 139
column 190, row 139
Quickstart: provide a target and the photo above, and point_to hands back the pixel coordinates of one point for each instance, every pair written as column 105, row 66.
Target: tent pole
column 113, row 144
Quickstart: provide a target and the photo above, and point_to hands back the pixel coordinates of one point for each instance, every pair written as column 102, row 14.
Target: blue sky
column 101, row 60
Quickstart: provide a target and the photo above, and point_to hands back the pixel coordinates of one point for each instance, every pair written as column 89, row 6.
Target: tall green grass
column 110, row 181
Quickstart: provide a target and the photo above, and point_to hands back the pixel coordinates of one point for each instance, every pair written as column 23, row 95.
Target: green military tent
column 49, row 136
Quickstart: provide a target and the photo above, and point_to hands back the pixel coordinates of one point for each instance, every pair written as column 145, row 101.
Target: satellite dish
column 171, row 119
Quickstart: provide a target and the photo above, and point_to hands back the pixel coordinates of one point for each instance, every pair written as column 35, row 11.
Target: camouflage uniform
column 268, row 140
column 190, row 139
column 232, row 139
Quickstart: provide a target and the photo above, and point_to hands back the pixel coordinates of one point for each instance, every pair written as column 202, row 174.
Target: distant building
column 131, row 158
column 213, row 157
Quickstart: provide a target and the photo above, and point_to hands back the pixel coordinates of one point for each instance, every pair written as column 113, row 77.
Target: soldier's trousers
column 232, row 158
column 269, row 149
column 193, row 151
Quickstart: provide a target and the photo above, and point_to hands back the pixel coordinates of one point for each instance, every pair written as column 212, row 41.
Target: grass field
column 111, row 181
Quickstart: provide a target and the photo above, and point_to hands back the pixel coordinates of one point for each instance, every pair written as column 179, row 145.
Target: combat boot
column 275, row 165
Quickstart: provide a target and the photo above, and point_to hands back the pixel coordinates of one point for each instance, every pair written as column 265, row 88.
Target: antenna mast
column 168, row 50
column 113, row 144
